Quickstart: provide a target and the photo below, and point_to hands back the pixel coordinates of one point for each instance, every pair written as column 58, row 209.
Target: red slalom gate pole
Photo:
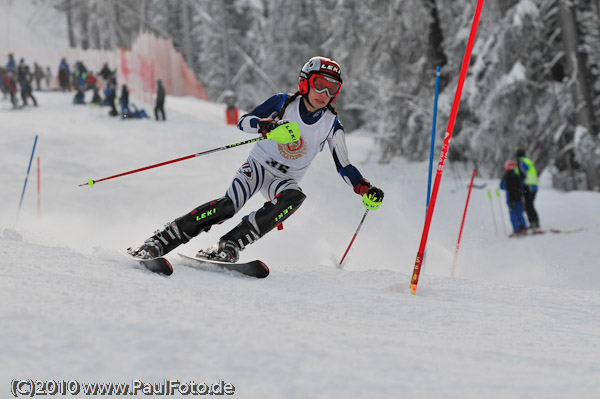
column 462, row 224
column 438, row 177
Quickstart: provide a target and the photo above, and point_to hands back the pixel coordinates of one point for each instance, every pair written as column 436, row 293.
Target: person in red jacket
column 11, row 86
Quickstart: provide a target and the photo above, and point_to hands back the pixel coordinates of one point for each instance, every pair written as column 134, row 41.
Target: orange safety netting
column 149, row 59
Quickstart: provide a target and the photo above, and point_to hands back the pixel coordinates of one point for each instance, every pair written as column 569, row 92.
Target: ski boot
column 160, row 243
column 254, row 226
column 185, row 228
column 229, row 246
column 224, row 251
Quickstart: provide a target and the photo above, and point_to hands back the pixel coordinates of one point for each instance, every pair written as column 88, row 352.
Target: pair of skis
column 554, row 231
column 254, row 268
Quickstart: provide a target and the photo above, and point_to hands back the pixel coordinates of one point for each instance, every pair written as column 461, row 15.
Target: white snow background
column 519, row 319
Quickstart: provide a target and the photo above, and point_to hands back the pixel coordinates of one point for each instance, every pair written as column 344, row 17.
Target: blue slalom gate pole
column 27, row 176
column 435, row 102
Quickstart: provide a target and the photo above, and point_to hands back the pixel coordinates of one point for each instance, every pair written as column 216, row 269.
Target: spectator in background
column 48, row 77
column 21, row 71
column 64, row 75
column 90, row 82
column 106, row 73
column 96, row 97
column 160, row 100
column 79, row 96
column 26, row 89
column 111, row 94
column 11, row 86
column 3, row 88
column 10, row 65
column 526, row 171
column 125, row 102
column 38, row 74
column 514, row 197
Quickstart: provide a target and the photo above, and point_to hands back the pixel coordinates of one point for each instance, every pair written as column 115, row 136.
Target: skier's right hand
column 282, row 131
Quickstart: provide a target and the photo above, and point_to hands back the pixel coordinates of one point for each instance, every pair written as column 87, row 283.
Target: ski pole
column 501, row 213
column 27, row 175
column 353, row 237
column 91, row 182
column 493, row 214
column 462, row 224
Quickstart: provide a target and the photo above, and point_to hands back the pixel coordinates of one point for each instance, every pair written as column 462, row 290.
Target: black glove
column 375, row 193
column 373, row 198
column 265, row 125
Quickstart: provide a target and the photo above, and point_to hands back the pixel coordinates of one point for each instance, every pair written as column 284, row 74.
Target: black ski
column 155, row 265
column 158, row 265
column 253, row 268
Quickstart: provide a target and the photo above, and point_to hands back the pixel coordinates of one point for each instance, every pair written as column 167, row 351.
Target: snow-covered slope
column 520, row 318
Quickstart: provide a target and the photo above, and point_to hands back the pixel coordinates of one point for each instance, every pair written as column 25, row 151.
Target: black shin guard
column 259, row 223
column 182, row 229
column 203, row 217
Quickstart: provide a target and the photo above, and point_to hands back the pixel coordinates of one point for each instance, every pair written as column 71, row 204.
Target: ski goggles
column 321, row 84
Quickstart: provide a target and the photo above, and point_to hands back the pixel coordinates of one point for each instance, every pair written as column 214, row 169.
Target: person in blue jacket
column 11, row 64
column 64, row 75
column 514, row 197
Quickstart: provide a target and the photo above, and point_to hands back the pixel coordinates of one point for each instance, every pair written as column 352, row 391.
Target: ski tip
column 169, row 271
column 266, row 270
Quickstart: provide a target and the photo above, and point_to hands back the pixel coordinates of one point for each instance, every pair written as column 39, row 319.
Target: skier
column 160, row 100
column 514, row 196
column 527, row 172
column 296, row 127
